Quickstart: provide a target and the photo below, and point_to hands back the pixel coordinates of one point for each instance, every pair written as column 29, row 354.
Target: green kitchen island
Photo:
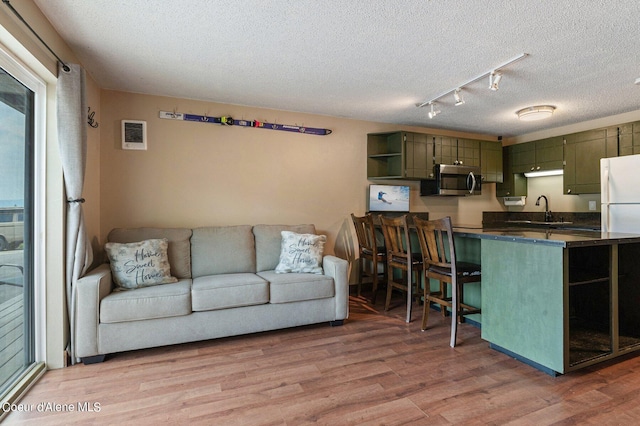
column 559, row 300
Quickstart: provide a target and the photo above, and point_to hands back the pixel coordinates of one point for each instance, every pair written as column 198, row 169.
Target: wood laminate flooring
column 374, row 370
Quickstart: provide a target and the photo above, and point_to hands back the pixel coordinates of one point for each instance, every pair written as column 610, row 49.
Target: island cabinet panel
column 561, row 307
column 523, row 301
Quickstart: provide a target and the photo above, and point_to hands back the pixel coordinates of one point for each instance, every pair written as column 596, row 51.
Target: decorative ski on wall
column 229, row 121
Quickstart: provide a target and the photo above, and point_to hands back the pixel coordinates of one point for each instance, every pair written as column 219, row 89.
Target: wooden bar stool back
column 401, row 257
column 370, row 253
column 440, row 263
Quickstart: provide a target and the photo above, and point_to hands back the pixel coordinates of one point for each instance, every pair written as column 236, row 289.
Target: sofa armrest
column 89, row 291
column 337, row 269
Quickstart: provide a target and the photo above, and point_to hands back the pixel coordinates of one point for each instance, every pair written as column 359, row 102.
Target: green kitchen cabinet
column 453, row 150
column 544, row 154
column 418, row 155
column 445, row 150
column 568, row 307
column 523, row 157
column 399, row 155
column 582, row 154
column 513, row 184
column 549, row 153
column 469, row 152
column 629, row 139
column 385, row 156
column 491, row 161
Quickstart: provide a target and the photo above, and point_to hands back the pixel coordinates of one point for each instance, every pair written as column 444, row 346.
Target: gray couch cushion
column 228, row 291
column 269, row 240
column 297, row 287
column 222, row 250
column 167, row 300
column 179, row 245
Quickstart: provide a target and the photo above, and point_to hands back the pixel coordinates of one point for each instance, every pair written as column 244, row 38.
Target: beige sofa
column 226, row 286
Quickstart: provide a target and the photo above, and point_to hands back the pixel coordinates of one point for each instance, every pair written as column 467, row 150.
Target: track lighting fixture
column 495, row 75
column 433, row 112
column 494, row 80
column 458, row 97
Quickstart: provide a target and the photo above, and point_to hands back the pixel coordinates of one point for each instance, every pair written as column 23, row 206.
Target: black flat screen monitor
column 388, row 198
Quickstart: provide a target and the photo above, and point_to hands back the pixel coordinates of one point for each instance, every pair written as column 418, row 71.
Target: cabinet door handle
column 533, row 168
column 538, row 168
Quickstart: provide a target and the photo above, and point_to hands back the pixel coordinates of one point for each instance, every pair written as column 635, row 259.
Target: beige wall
column 199, row 174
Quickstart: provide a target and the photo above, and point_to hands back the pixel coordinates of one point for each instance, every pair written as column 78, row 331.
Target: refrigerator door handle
column 605, row 183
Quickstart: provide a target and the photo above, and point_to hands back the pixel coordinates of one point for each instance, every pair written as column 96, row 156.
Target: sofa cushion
column 297, row 287
column 228, row 291
column 301, row 253
column 179, row 245
column 222, row 250
column 269, row 241
column 141, row 264
column 169, row 300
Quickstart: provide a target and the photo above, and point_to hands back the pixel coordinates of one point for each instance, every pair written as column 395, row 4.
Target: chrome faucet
column 547, row 212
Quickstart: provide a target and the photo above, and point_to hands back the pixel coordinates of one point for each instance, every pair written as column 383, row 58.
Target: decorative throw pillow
column 140, row 264
column 301, row 253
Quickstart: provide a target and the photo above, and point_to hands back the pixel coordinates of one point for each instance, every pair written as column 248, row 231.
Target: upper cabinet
column 582, row 154
column 491, row 161
column 410, row 155
column 545, row 154
column 418, row 155
column 513, row 184
column 399, row 155
column 629, row 139
column 452, row 150
column 385, row 155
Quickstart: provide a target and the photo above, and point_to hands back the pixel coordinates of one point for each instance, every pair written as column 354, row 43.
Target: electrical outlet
column 592, row 205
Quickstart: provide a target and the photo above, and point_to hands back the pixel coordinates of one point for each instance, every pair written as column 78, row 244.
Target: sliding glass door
column 17, row 323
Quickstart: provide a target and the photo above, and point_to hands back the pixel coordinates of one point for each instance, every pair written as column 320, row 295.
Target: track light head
column 494, row 80
column 433, row 111
column 458, row 97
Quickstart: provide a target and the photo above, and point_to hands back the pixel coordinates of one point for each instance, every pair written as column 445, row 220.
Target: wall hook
column 90, row 120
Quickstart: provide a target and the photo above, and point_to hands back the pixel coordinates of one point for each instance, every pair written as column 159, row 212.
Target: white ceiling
column 371, row 60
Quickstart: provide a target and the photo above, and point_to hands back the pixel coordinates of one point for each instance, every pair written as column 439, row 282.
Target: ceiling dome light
column 535, row 112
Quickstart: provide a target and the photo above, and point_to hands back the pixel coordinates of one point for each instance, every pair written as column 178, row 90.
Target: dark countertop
column 552, row 237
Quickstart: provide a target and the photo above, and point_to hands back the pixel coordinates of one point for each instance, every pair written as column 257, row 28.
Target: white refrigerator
column 620, row 194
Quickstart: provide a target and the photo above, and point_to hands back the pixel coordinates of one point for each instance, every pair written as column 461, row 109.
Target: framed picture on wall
column 134, row 134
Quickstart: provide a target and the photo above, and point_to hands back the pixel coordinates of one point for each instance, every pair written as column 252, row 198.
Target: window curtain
column 72, row 138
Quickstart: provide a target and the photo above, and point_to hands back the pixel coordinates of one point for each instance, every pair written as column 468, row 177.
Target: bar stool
column 400, row 256
column 439, row 257
column 371, row 255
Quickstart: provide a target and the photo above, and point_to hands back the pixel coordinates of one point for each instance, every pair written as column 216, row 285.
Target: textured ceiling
column 371, row 60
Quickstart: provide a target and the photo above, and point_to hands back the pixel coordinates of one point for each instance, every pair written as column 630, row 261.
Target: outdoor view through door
column 17, row 351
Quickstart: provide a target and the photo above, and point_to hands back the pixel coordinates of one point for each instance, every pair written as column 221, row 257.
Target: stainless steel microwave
column 453, row 180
